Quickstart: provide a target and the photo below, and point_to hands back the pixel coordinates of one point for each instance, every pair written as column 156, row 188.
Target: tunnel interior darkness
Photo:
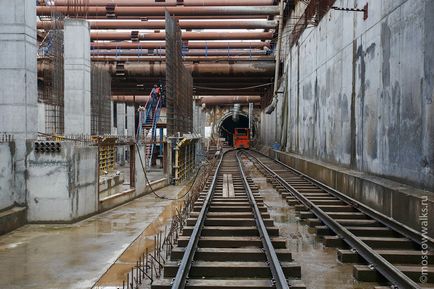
column 228, row 127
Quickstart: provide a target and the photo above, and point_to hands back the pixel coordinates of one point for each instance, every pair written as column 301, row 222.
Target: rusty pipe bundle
column 140, row 69
column 185, row 36
column 140, row 11
column 158, row 24
column 161, row 3
column 146, row 58
column 191, row 52
column 190, row 45
column 200, row 69
column 207, row 100
column 138, row 99
column 228, row 99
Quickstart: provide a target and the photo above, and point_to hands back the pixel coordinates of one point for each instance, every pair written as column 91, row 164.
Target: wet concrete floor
column 76, row 256
column 320, row 268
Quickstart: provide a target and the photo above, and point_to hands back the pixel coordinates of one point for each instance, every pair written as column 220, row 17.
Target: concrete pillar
column 77, row 77
column 131, row 121
column 121, row 108
column 18, row 82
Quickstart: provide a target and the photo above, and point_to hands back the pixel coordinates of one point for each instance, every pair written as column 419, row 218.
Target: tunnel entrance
column 228, row 126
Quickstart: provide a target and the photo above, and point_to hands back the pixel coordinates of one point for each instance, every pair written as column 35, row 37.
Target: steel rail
column 180, row 279
column 400, row 228
column 384, row 267
column 273, row 261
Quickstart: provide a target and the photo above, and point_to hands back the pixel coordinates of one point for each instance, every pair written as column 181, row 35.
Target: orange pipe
column 229, row 99
column 139, row 99
column 185, row 36
column 141, row 11
column 165, row 3
column 190, row 45
column 184, row 24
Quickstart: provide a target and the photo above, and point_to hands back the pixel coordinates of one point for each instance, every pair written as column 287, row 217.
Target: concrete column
column 120, row 108
column 131, row 121
column 77, row 77
column 18, row 82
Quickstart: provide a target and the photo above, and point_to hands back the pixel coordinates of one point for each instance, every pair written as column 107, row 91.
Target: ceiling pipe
column 141, row 69
column 117, row 36
column 211, row 100
column 157, row 3
column 207, row 100
column 97, row 58
column 137, row 99
column 273, row 105
column 184, row 24
column 190, row 52
column 140, row 11
column 190, row 45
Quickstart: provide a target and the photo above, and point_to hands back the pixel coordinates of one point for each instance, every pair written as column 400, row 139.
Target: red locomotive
column 241, row 138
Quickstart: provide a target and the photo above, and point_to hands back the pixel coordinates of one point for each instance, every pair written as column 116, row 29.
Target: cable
column 150, row 186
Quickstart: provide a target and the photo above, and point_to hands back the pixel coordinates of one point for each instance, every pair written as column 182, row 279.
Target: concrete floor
column 76, row 256
column 320, row 268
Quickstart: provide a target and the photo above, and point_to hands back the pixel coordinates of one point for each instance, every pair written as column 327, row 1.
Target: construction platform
column 76, row 256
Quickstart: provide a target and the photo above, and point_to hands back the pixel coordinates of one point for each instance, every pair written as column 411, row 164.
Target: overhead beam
column 134, row 36
column 140, row 11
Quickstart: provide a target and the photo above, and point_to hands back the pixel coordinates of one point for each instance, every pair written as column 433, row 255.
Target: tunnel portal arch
column 225, row 126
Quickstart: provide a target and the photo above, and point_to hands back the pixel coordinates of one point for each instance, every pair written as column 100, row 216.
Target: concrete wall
column 360, row 92
column 7, row 175
column 62, row 187
column 400, row 202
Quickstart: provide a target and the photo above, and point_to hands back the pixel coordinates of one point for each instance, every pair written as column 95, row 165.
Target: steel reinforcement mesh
column 179, row 83
column 100, row 101
column 51, row 77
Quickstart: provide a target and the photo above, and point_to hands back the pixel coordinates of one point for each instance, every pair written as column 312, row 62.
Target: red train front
column 241, row 138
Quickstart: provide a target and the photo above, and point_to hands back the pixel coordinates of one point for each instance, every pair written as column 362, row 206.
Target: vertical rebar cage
column 179, row 83
column 100, row 101
column 51, row 92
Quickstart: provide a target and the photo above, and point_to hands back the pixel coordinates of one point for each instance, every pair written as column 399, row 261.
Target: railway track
column 230, row 241
column 382, row 249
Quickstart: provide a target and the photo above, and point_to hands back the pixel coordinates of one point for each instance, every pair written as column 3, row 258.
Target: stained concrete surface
column 320, row 268
column 76, row 256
